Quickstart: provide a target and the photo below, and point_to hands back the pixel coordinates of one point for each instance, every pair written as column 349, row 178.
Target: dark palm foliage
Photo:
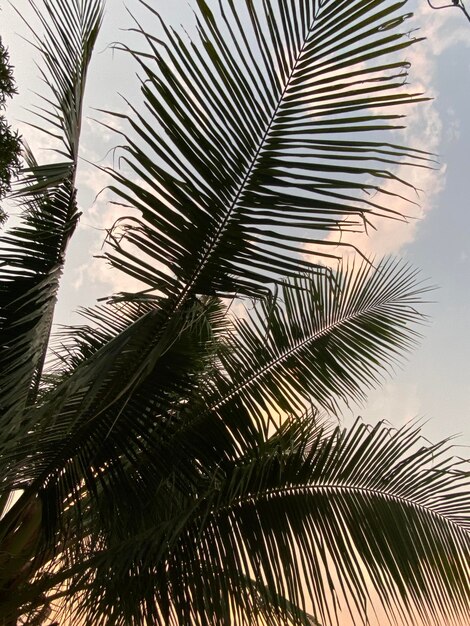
column 172, row 464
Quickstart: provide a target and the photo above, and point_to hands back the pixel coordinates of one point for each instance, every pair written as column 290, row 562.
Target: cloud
column 443, row 29
column 99, row 216
column 98, row 273
column 453, row 126
column 425, row 131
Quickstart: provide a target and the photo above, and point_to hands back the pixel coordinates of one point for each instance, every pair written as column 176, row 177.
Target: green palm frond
column 72, row 345
column 323, row 339
column 106, row 410
column 370, row 500
column 135, row 415
column 172, row 465
column 244, row 146
column 33, row 253
column 70, row 30
column 320, row 340
column 311, row 517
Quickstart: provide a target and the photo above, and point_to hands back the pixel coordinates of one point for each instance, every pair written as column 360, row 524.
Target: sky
column 434, row 383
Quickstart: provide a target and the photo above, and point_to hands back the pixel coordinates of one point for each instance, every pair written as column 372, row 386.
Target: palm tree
column 172, row 463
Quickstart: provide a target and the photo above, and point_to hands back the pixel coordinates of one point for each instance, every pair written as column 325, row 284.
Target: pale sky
column 434, row 384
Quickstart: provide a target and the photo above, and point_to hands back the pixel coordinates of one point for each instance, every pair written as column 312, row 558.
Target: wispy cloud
column 102, row 216
column 425, row 131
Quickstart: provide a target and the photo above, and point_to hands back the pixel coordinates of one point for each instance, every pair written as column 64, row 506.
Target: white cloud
column 98, row 219
column 424, row 131
column 453, row 126
column 443, row 29
column 97, row 272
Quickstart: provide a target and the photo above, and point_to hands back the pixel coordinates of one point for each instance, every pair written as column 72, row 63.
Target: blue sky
column 434, row 384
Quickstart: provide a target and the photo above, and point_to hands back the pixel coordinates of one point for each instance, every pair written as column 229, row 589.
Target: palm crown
column 173, row 464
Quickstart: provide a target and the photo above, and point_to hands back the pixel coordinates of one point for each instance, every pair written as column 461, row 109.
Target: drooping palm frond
column 126, row 390
column 311, row 517
column 365, row 507
column 243, row 150
column 108, row 410
column 33, row 253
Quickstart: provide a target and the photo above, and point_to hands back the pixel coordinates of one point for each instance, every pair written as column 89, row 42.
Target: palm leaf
column 156, row 485
column 320, row 340
column 122, row 386
column 32, row 259
column 134, row 414
column 233, row 146
column 311, row 517
column 33, row 253
column 110, row 407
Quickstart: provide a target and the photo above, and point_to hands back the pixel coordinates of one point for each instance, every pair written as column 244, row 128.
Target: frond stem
column 338, row 487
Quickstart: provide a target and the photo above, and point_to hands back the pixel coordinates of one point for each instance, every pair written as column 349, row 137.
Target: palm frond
column 135, row 416
column 312, row 518
column 70, row 30
column 321, row 339
column 108, row 408
column 372, row 500
column 233, row 147
column 178, row 469
column 33, row 253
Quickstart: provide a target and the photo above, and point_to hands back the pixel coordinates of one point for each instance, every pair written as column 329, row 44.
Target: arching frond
column 323, row 339
column 313, row 517
column 248, row 141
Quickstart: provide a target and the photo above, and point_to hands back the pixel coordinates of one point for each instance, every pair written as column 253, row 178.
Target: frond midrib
column 348, row 488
